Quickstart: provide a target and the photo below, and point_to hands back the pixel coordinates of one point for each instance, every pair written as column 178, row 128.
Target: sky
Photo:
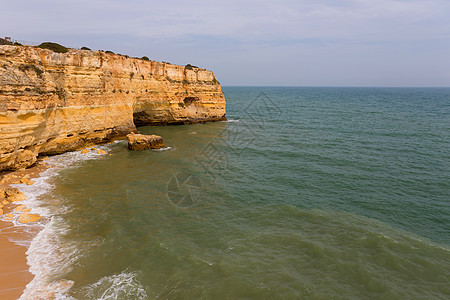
column 257, row 43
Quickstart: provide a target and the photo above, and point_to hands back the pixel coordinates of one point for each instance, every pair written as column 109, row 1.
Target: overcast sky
column 249, row 42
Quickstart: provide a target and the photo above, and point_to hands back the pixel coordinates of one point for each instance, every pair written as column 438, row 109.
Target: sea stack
column 143, row 142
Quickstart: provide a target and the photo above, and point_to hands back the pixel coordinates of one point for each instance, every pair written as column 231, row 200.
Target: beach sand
column 14, row 274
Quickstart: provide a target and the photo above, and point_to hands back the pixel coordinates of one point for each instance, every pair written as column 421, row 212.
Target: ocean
column 305, row 193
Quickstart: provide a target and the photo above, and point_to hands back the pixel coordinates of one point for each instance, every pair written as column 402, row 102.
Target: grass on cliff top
column 54, row 47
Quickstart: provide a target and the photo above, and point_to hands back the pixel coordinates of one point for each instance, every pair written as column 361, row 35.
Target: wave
column 49, row 254
column 118, row 286
column 162, row 149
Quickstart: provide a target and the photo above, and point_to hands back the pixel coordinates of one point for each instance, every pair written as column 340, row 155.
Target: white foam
column 118, row 286
column 48, row 254
column 231, row 121
column 162, row 149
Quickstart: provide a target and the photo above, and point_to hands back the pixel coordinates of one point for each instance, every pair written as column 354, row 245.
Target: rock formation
column 52, row 102
column 143, row 142
column 11, row 195
column 27, row 218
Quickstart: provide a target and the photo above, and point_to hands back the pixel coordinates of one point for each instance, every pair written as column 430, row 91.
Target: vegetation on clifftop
column 190, row 67
column 54, row 47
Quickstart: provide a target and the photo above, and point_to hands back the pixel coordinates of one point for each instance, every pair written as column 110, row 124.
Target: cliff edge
column 52, row 102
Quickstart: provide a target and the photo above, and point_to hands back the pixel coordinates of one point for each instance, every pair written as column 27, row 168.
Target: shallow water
column 305, row 193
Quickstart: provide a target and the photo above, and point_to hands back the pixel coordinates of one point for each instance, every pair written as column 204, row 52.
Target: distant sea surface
column 305, row 193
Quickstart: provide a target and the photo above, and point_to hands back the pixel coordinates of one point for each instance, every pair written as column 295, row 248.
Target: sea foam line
column 118, row 286
column 47, row 254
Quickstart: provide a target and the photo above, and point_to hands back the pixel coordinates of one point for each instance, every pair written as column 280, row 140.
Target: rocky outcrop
column 11, row 195
column 143, row 142
column 51, row 102
column 27, row 218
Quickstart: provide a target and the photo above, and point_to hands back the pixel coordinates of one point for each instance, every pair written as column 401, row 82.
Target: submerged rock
column 143, row 142
column 100, row 151
column 26, row 217
column 22, row 208
column 84, row 151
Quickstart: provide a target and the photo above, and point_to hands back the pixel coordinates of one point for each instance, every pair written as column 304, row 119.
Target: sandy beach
column 14, row 274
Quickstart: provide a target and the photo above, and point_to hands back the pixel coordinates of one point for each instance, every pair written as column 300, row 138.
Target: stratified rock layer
column 51, row 102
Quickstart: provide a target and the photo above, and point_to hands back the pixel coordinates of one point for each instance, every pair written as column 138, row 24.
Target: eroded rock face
column 143, row 142
column 51, row 103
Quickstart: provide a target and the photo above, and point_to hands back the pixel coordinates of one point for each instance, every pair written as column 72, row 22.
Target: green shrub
column 86, row 48
column 215, row 81
column 110, row 52
column 145, row 58
column 190, row 67
column 54, row 47
column 17, row 44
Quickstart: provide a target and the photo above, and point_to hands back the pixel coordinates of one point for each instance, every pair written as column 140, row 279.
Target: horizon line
column 339, row 86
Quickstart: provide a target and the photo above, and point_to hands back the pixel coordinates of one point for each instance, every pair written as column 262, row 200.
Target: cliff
column 51, row 102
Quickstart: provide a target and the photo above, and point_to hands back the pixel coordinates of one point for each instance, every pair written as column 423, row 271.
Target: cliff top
column 57, row 48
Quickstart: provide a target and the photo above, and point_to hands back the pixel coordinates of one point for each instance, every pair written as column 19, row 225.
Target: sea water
column 305, row 193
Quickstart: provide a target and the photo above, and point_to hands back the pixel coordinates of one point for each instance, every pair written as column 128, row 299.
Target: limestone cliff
column 51, row 102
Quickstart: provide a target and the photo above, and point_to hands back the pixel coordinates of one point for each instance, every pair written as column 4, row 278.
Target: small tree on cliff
column 54, row 47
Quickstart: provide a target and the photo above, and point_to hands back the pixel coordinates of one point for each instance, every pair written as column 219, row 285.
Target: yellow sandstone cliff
column 51, row 102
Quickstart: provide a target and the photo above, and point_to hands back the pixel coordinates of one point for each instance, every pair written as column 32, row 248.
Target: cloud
column 254, row 20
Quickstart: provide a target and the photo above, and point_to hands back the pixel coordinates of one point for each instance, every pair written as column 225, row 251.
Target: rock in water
column 26, row 218
column 142, row 142
column 14, row 194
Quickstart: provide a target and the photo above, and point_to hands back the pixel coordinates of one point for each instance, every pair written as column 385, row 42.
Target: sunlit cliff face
column 51, row 102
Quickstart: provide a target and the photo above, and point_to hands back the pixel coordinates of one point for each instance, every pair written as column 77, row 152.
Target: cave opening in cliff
column 189, row 100
column 184, row 110
column 141, row 118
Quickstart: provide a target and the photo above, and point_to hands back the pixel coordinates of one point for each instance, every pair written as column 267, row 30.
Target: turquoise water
column 307, row 193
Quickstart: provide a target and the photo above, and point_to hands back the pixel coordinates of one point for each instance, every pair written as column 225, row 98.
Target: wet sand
column 14, row 274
